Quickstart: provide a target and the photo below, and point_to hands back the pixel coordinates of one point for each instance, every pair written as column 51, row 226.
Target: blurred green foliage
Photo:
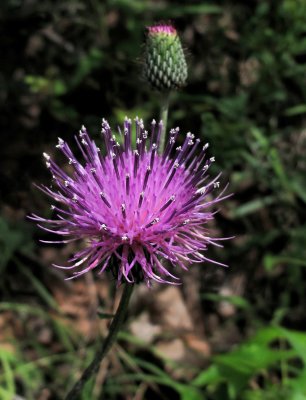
column 65, row 63
column 230, row 374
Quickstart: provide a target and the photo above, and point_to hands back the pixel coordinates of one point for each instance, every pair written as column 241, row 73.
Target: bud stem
column 164, row 118
column 107, row 343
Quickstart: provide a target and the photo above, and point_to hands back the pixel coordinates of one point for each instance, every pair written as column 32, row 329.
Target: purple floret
column 139, row 211
column 162, row 28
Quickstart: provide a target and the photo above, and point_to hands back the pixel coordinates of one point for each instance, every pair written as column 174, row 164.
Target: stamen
column 119, row 151
column 102, row 195
column 188, row 142
column 137, row 122
column 106, row 141
column 153, row 125
column 167, row 204
column 127, row 184
column 143, row 143
column 60, row 144
column 155, row 220
column 191, row 153
column 202, row 190
column 160, row 128
column 141, row 196
column 197, row 176
column 105, row 124
column 175, row 167
column 136, row 162
column 146, row 178
column 112, row 141
column 138, row 145
column 126, row 142
column 173, row 133
column 127, row 134
column 102, row 161
column 123, row 207
column 200, row 158
column 154, row 147
column 175, row 158
column 113, row 155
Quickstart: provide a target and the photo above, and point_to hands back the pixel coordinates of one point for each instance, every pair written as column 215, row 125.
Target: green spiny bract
column 165, row 65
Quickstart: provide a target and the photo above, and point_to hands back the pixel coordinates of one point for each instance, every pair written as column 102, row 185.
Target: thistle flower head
column 136, row 209
column 165, row 66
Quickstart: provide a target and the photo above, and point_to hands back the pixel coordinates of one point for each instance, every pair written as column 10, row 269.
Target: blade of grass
column 8, row 372
column 41, row 290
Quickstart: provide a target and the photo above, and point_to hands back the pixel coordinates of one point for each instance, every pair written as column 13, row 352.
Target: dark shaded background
column 68, row 63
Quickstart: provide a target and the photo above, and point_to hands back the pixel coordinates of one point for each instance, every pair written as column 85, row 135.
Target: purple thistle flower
column 133, row 207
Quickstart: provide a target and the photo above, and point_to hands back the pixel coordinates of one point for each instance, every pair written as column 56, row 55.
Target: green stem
column 164, row 118
column 107, row 344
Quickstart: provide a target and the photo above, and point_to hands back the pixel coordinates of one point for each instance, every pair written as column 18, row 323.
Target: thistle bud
column 165, row 66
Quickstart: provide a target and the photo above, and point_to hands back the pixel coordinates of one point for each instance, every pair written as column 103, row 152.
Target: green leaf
column 296, row 110
column 237, row 301
column 298, row 186
column 59, row 87
column 238, row 366
column 8, row 374
column 252, row 206
column 270, row 261
column 210, row 376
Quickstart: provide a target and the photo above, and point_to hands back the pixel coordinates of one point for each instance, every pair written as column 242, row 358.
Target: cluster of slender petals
column 136, row 208
column 162, row 28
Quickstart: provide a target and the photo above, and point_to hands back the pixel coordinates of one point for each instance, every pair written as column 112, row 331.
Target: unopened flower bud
column 165, row 65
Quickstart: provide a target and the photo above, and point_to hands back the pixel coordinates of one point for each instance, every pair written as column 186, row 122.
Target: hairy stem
column 164, row 118
column 107, row 343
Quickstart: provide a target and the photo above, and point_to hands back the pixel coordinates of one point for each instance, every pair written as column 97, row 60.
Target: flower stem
column 107, row 344
column 164, row 118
